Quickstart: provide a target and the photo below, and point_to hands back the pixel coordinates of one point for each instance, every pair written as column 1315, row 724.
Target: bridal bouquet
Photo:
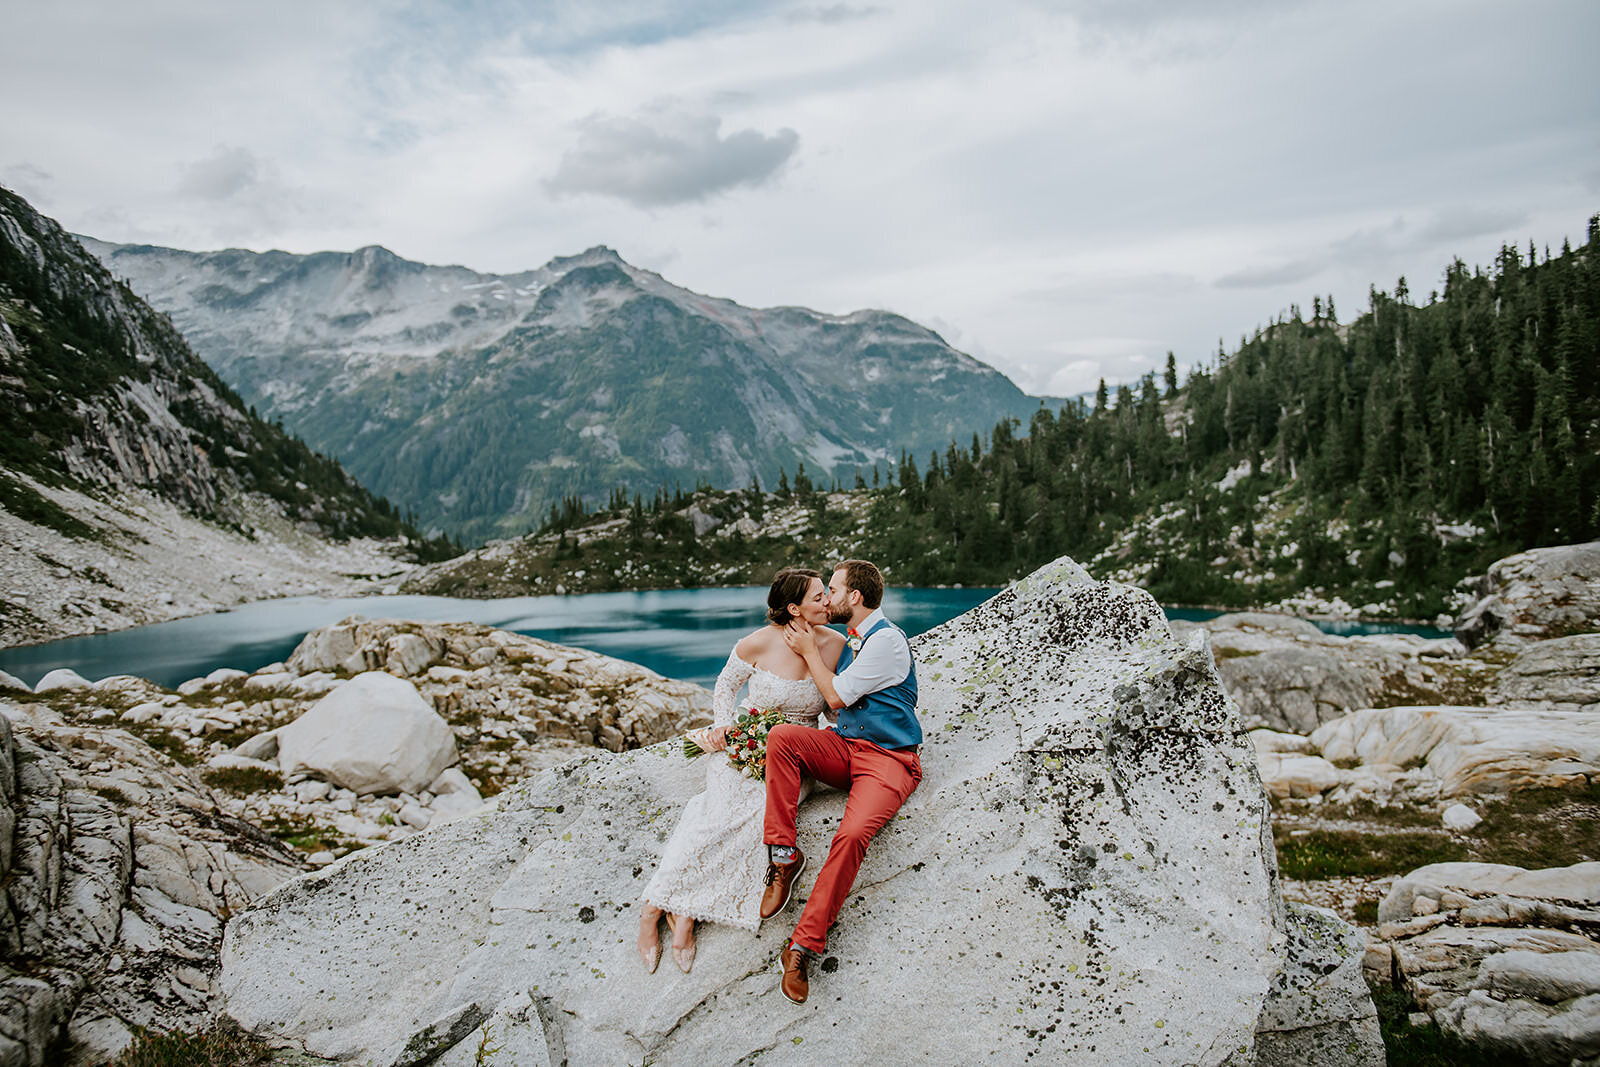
column 746, row 742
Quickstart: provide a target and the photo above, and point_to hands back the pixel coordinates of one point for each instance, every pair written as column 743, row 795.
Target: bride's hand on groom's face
column 798, row 636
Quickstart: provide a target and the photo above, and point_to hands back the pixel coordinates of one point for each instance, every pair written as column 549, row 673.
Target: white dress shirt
column 883, row 661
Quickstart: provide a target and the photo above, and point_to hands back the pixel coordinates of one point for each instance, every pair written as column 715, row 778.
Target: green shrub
column 240, row 780
column 222, row 1045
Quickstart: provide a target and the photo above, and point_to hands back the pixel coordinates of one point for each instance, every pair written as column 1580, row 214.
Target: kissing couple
column 866, row 685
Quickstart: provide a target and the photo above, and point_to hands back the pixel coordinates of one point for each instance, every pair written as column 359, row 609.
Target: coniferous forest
column 1423, row 439
column 1381, row 460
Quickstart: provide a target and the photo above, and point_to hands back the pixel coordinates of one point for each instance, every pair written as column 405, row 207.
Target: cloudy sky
column 1066, row 190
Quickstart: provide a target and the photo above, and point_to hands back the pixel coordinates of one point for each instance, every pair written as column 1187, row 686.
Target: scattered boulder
column 1289, row 676
column 1535, row 595
column 62, row 678
column 224, row 675
column 11, row 681
column 703, row 522
column 373, row 735
column 262, row 746
column 1563, row 672
column 410, row 654
column 454, row 795
column 514, row 687
column 1428, row 753
column 1320, row 1010
column 1502, row 957
column 1459, row 818
column 1086, row 872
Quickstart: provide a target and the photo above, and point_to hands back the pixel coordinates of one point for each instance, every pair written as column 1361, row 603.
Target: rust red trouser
column 879, row 780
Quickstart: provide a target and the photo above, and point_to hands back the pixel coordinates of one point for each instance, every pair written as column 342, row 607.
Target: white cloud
column 664, row 155
column 222, row 175
column 1055, row 183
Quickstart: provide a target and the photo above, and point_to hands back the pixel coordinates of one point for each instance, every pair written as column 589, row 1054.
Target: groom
column 872, row 753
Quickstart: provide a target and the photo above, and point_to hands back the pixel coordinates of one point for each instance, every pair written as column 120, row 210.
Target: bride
column 713, row 864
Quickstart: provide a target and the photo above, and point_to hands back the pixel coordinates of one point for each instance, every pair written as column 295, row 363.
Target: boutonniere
column 853, row 639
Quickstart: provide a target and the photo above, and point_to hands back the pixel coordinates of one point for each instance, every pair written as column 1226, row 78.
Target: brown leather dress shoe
column 795, row 985
column 780, row 884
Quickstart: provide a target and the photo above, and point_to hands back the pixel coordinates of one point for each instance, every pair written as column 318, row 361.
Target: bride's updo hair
column 789, row 587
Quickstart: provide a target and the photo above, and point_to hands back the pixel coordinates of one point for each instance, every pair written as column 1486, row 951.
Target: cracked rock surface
column 120, row 871
column 1086, row 873
column 1505, row 958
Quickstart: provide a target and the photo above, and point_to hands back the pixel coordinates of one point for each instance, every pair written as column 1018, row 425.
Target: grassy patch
column 308, row 837
column 171, row 744
column 1314, row 854
column 1533, row 828
column 1364, row 810
column 237, row 690
column 1540, row 828
column 1234, row 653
column 1423, row 1046
column 1460, row 683
column 241, row 781
column 222, row 1045
column 112, row 793
column 488, row 782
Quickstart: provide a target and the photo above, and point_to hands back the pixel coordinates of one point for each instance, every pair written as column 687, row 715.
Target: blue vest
column 887, row 718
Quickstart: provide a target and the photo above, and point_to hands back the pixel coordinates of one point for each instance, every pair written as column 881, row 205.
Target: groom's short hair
column 864, row 578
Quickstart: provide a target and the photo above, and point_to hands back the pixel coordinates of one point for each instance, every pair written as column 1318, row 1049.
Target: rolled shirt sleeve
column 883, row 661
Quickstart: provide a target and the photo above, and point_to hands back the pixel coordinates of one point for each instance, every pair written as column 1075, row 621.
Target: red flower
column 750, row 744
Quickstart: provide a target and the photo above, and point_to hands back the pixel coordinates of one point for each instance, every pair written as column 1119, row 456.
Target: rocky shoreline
column 138, row 819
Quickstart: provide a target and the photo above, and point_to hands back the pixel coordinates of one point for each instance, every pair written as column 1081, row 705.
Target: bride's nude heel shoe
column 683, row 957
column 652, row 956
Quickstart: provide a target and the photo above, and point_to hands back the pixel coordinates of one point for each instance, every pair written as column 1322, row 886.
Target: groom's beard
column 839, row 614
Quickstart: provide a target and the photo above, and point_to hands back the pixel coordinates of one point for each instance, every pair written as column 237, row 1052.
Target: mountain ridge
column 134, row 483
column 481, row 399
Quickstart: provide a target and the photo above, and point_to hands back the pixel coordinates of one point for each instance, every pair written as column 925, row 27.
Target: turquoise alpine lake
column 680, row 633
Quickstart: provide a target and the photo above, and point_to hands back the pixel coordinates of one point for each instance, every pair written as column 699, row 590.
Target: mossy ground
column 1529, row 828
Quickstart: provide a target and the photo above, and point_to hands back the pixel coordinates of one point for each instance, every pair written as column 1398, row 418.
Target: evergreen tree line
column 1410, row 446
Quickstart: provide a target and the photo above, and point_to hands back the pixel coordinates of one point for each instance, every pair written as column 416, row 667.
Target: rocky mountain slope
column 134, row 484
column 479, row 399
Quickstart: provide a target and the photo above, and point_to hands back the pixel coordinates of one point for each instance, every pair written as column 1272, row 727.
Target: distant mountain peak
column 479, row 399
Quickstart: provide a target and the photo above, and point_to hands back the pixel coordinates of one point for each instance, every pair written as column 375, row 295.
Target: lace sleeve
column 734, row 674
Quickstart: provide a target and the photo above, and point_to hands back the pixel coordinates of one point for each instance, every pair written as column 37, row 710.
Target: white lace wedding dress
column 712, row 868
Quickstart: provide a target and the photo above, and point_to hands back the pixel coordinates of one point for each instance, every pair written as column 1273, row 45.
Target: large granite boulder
column 117, row 871
column 1287, row 675
column 1428, row 754
column 1563, row 672
column 1453, row 752
column 1086, row 874
column 1535, row 595
column 374, row 734
column 1502, row 957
